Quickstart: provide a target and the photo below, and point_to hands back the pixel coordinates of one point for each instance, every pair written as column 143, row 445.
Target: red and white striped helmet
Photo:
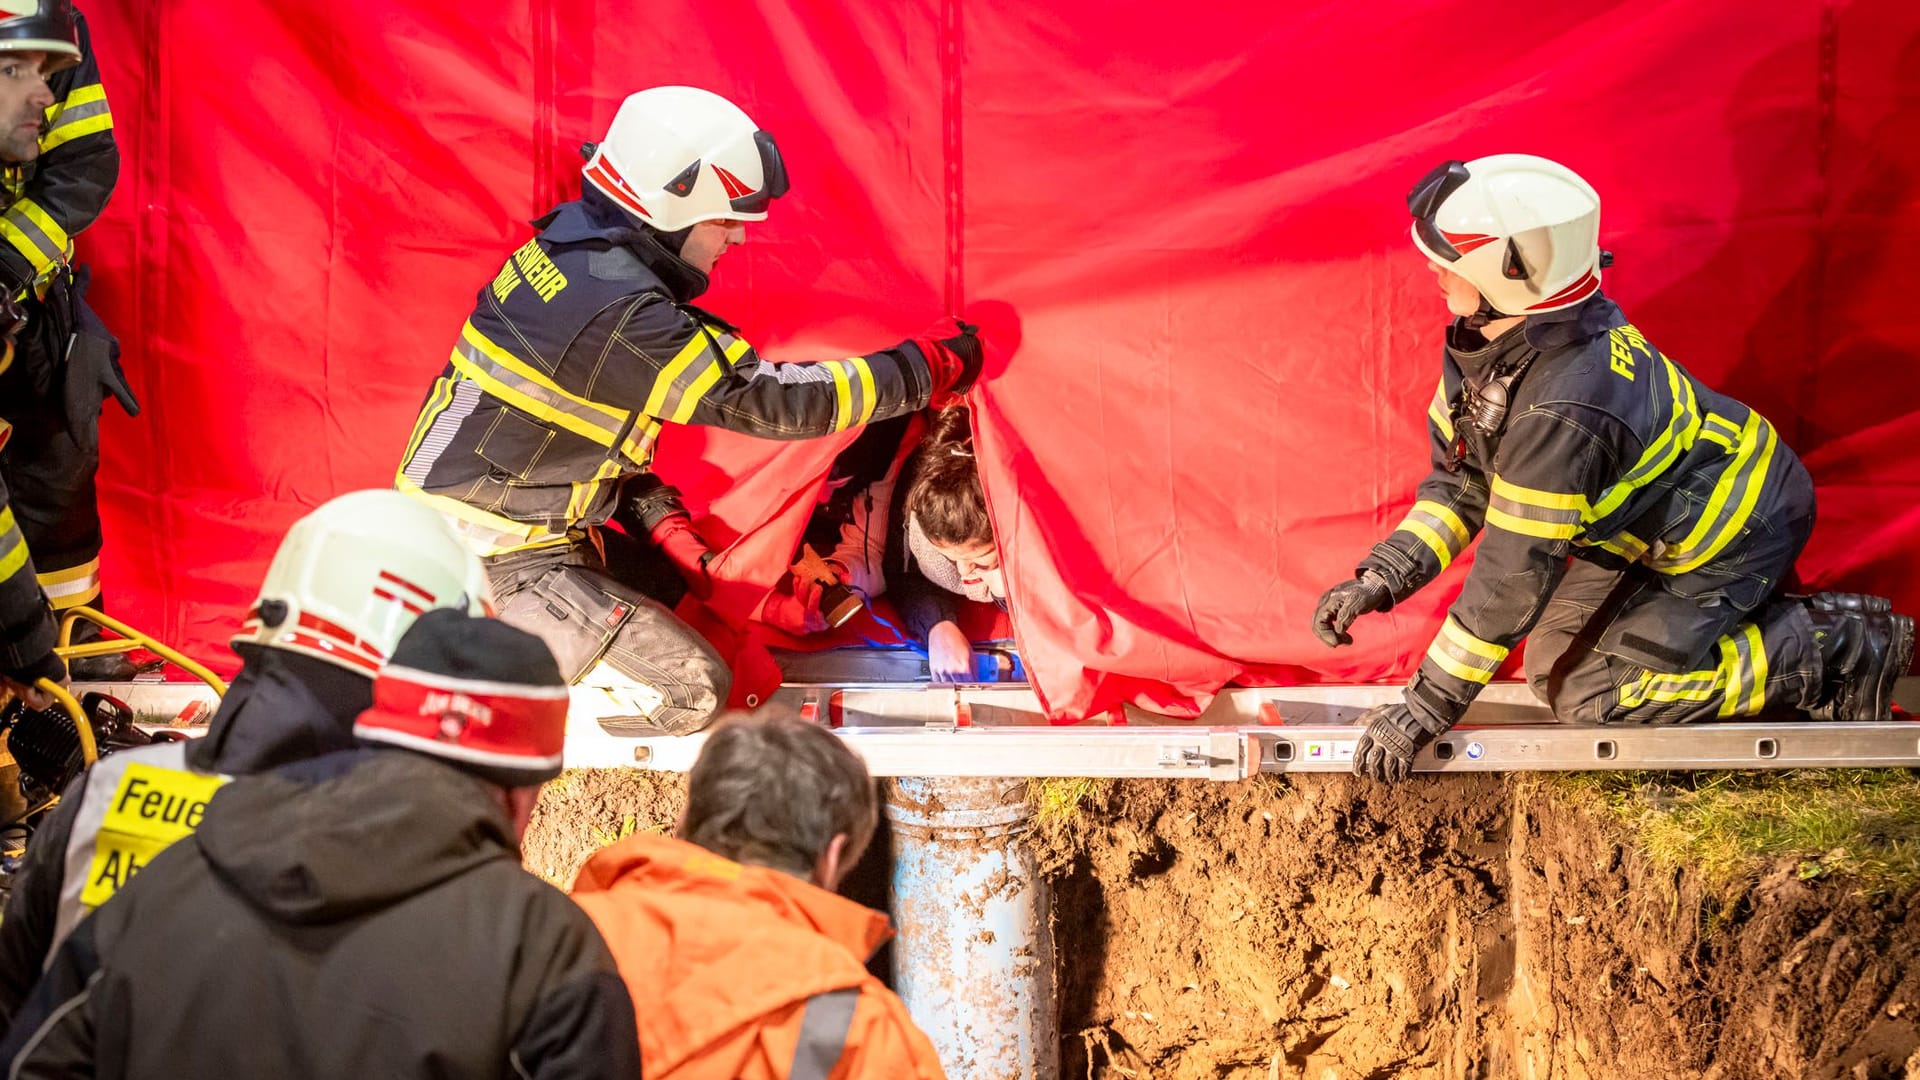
column 1524, row 230
column 676, row 156
column 354, row 574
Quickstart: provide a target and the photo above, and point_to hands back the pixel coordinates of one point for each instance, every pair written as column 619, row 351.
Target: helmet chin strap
column 1485, row 314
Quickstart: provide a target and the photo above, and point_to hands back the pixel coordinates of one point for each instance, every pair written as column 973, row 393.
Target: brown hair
column 775, row 791
column 945, row 496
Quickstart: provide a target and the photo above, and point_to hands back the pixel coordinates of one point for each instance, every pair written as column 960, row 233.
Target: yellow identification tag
column 152, row 807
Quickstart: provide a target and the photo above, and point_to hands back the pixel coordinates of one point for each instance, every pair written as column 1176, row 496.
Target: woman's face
column 978, row 563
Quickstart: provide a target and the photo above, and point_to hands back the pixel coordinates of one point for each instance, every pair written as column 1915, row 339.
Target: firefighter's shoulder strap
column 134, row 804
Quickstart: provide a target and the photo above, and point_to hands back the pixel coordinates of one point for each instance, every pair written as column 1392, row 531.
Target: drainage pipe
column 974, row 959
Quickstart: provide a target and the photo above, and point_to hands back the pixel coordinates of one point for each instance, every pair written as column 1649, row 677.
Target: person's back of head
column 781, row 793
column 477, row 694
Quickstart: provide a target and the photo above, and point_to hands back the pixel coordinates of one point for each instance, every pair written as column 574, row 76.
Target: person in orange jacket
column 741, row 960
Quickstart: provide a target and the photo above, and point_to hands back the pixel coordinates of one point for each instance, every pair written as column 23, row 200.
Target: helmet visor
column 1424, row 202
column 773, row 173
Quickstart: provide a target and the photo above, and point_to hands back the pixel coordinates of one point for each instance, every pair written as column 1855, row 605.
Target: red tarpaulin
column 1194, row 214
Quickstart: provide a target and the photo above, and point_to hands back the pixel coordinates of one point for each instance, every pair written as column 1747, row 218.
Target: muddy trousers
column 634, row 666
column 1744, row 662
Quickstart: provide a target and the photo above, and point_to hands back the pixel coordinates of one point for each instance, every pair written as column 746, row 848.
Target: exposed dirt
column 1463, row 927
column 586, row 809
column 1467, row 927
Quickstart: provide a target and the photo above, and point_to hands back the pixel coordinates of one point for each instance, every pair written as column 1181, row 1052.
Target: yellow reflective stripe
column 735, row 350
column 1715, row 435
column 1545, row 500
column 588, row 419
column 13, row 555
column 1757, row 657
column 1626, row 545
column 663, row 384
column 1486, row 650
column 35, row 235
column 1424, row 533
column 76, row 129
column 1745, row 475
column 1445, row 662
column 690, row 400
column 1437, row 411
column 1733, row 656
column 1461, row 534
column 868, row 399
column 82, row 95
column 437, row 402
column 842, row 396
column 1693, row 686
column 1675, row 440
column 1547, row 530
column 61, row 577
column 535, row 535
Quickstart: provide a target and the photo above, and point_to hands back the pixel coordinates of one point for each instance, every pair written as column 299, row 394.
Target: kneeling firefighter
column 541, row 427
column 1558, row 430
column 345, row 584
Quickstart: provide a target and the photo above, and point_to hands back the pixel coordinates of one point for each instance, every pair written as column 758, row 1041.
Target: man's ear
column 832, row 865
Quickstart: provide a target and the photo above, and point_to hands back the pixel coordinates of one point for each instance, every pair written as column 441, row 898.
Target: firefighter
column 346, row 583
column 541, row 427
column 1558, row 430
column 362, row 914
column 27, row 630
column 58, row 162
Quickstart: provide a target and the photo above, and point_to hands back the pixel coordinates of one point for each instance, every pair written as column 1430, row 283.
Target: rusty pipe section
column 974, row 958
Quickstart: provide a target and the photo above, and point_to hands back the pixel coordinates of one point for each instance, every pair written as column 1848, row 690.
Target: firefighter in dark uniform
column 541, row 427
column 1558, row 430
column 27, row 629
column 60, row 164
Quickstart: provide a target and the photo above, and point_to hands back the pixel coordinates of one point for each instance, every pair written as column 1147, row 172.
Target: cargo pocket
column 514, row 444
column 567, row 610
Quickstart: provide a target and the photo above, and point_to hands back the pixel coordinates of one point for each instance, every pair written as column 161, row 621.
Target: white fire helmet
column 45, row 26
column 676, row 156
column 1524, row 230
column 354, row 574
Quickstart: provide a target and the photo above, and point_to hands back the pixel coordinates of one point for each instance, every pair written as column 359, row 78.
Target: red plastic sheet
column 1194, row 214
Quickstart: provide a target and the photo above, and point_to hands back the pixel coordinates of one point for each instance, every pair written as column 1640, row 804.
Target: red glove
column 954, row 358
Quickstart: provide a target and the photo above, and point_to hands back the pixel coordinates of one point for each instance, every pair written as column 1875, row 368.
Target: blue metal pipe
column 974, row 959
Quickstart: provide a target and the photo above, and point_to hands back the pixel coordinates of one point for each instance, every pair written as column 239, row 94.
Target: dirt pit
column 1474, row 927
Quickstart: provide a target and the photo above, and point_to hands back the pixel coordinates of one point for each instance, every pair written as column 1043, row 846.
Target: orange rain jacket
column 745, row 972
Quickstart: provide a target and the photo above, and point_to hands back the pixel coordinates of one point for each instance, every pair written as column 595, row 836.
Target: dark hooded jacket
column 281, row 708
column 362, row 914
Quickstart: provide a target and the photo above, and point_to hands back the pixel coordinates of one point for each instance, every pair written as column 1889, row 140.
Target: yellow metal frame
column 130, row 639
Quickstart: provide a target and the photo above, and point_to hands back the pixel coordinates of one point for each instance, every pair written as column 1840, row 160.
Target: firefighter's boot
column 1863, row 653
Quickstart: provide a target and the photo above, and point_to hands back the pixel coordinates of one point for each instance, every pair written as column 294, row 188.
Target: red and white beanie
column 474, row 692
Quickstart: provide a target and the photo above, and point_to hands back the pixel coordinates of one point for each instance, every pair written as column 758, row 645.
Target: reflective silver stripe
column 73, row 114
column 823, row 1034
column 440, row 433
column 102, row 779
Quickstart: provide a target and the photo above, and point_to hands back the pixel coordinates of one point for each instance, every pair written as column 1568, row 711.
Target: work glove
column 92, row 374
column 1393, row 736
column 655, row 506
column 49, row 667
column 954, row 358
column 12, row 317
column 1346, row 602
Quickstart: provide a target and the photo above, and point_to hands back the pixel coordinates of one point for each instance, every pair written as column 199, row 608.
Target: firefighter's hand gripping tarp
column 1195, row 217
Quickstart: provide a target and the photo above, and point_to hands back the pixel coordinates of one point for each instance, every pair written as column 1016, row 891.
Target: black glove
column 966, row 345
column 1346, row 602
column 92, row 373
column 1393, row 736
column 651, row 500
column 49, row 666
